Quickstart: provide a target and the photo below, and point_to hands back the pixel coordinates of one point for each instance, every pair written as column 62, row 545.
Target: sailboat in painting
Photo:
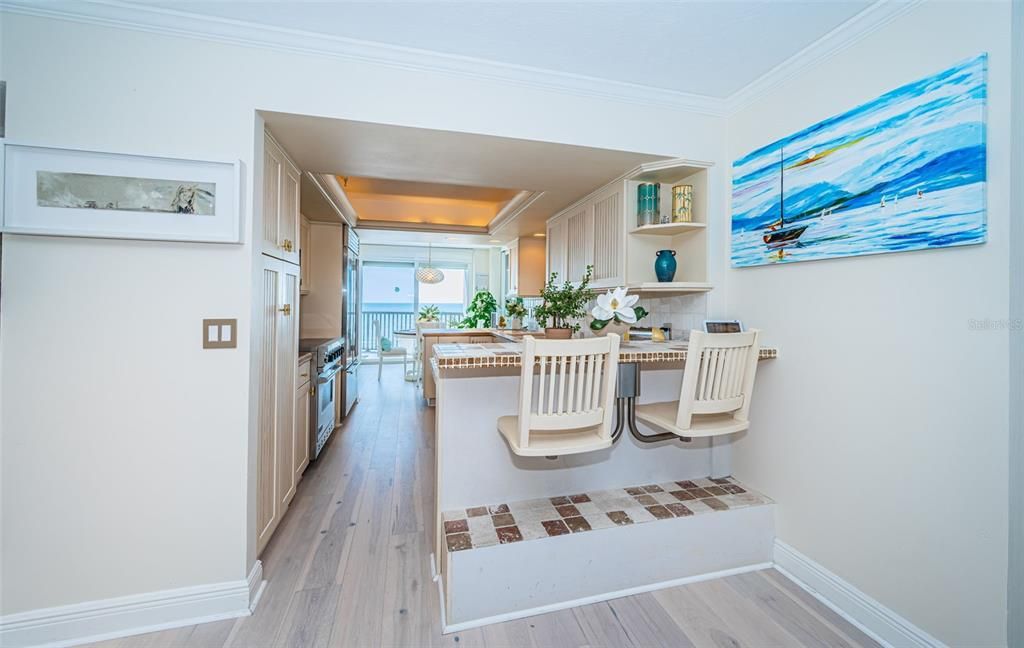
column 778, row 235
column 905, row 171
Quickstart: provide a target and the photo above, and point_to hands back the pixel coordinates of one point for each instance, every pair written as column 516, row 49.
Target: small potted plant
column 516, row 311
column 481, row 310
column 615, row 312
column 429, row 313
column 564, row 306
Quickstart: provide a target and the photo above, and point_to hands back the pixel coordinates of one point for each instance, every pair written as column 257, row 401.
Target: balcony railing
column 391, row 321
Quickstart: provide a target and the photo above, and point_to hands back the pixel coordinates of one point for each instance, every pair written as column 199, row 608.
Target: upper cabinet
column 523, row 265
column 280, row 203
column 604, row 230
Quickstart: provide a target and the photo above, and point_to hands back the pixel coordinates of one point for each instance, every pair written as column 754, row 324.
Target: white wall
column 881, row 430
column 1015, row 629
column 138, row 479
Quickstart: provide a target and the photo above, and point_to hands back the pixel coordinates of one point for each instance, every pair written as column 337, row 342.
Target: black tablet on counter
column 723, row 326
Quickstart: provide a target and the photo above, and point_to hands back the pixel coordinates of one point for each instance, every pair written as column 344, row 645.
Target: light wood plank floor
column 348, row 566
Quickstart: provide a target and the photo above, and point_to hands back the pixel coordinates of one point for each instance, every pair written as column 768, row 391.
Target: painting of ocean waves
column 905, row 171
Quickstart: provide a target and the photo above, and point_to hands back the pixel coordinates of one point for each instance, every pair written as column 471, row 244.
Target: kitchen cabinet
column 305, row 256
column 556, row 242
column 277, row 328
column 524, row 266
column 601, row 230
column 300, row 431
column 429, row 389
column 280, row 213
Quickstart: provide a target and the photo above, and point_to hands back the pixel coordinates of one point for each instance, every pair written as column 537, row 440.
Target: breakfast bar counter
column 476, row 376
column 508, row 354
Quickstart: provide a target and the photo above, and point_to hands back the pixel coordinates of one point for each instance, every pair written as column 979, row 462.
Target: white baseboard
column 70, row 625
column 877, row 621
column 256, row 585
column 544, row 609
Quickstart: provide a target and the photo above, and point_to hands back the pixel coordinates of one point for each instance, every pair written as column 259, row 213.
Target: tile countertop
column 508, row 354
column 506, row 334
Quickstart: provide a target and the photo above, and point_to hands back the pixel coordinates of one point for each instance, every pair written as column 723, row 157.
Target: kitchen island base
column 497, row 574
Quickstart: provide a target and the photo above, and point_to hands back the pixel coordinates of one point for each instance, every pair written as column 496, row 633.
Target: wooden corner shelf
column 668, row 229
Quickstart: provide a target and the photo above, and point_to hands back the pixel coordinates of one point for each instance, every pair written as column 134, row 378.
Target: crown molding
column 158, row 20
column 113, row 13
column 853, row 30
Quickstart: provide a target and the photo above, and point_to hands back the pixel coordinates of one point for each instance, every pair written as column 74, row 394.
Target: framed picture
column 62, row 192
column 904, row 171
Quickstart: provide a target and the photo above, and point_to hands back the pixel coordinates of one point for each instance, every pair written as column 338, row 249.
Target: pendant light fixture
column 428, row 274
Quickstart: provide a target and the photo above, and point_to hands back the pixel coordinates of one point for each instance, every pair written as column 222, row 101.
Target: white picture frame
column 44, row 188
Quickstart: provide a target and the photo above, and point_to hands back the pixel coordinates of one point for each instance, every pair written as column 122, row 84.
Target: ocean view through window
column 392, row 296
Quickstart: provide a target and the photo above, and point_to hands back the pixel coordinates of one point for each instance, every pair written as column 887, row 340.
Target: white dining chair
column 419, row 362
column 718, row 381
column 566, row 392
column 393, row 352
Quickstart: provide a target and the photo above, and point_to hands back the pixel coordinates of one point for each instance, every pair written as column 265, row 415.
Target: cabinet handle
column 287, row 310
column 306, row 375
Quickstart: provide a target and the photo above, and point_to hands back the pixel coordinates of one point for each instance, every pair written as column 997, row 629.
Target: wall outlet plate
column 220, row 333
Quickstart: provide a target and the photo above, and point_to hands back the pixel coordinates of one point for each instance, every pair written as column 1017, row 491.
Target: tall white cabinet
column 601, row 230
column 280, row 203
column 282, row 423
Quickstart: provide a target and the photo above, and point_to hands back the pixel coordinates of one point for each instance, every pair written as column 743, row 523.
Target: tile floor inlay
column 510, row 522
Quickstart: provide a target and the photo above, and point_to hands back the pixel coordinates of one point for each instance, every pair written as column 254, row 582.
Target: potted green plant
column 563, row 306
column 431, row 313
column 481, row 308
column 615, row 312
column 516, row 311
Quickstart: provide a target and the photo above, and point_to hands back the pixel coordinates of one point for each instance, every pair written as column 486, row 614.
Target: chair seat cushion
column 663, row 416
column 549, row 443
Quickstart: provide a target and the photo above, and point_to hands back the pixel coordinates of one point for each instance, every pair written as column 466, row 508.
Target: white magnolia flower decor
column 617, row 305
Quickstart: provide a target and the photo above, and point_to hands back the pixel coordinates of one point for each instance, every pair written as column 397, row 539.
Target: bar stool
column 718, row 381
column 566, row 392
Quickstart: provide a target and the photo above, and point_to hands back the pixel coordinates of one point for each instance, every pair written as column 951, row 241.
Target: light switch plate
column 220, row 333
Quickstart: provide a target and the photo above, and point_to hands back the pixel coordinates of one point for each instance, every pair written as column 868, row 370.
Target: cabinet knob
column 286, row 245
column 287, row 309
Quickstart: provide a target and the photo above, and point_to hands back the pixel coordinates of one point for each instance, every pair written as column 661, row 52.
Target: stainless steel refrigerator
column 351, row 298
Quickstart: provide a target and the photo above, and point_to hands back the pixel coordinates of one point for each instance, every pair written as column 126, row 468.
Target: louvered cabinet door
column 288, row 215
column 273, row 161
column 579, row 242
column 287, row 351
column 268, row 513
column 608, row 239
column 556, row 249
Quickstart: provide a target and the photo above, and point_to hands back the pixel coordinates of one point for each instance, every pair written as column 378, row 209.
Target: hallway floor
column 349, row 566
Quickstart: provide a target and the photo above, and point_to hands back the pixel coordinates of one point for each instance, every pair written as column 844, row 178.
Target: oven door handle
column 328, row 376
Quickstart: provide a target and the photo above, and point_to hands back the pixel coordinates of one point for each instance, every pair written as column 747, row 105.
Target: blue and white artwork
column 905, row 171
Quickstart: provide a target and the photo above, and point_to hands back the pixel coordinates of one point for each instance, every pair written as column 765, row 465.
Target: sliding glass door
column 392, row 296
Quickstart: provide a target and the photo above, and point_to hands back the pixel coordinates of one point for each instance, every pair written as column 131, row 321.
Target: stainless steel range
column 328, row 364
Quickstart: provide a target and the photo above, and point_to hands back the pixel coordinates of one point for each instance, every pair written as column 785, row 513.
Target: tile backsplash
column 682, row 312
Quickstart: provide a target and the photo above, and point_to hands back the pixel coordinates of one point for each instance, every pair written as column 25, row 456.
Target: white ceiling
column 705, row 48
column 559, row 172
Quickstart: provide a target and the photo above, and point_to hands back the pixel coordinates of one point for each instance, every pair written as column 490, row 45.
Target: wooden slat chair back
column 566, row 393
column 718, row 381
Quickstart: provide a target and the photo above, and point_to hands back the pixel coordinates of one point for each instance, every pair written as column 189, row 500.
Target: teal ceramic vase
column 665, row 265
